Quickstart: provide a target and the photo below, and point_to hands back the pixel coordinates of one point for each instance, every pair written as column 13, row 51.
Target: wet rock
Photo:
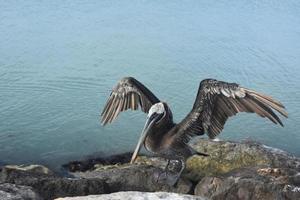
column 17, row 192
column 136, row 195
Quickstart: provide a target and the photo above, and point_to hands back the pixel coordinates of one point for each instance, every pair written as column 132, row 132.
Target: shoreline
column 233, row 169
column 87, row 161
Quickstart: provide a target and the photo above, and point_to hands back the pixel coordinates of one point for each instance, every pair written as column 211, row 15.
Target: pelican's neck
column 156, row 134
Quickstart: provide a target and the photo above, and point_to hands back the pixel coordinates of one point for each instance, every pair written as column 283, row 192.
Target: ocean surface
column 60, row 59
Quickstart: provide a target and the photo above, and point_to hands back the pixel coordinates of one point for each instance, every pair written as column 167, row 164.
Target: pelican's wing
column 129, row 93
column 216, row 101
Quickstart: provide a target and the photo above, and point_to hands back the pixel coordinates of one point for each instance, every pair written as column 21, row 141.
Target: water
column 59, row 60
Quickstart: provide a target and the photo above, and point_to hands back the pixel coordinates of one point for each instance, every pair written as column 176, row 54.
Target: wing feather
column 129, row 93
column 216, row 101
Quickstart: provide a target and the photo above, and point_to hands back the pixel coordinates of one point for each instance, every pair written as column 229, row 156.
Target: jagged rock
column 17, row 192
column 136, row 196
column 251, row 183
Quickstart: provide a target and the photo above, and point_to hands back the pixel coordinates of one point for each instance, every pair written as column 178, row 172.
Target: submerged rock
column 136, row 196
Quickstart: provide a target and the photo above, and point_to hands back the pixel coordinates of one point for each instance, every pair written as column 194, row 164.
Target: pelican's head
column 156, row 113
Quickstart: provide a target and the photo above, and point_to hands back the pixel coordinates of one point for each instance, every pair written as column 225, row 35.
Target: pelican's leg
column 163, row 175
column 167, row 165
column 172, row 173
column 177, row 176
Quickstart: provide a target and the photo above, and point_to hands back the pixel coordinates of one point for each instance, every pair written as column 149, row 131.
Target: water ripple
column 59, row 61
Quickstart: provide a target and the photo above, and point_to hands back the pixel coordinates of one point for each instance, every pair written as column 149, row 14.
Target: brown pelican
column 215, row 102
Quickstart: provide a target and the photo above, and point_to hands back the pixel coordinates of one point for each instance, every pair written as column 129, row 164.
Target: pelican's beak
column 150, row 121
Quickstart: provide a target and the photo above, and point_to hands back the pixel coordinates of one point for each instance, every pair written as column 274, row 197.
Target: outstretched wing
column 129, row 93
column 216, row 101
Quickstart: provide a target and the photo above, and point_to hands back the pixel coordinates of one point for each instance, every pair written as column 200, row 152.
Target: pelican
column 215, row 102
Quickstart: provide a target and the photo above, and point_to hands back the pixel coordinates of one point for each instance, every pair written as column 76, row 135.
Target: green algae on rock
column 226, row 156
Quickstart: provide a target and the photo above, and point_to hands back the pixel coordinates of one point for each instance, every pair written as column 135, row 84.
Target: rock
column 136, row 196
column 250, row 183
column 234, row 170
column 104, row 179
column 138, row 177
column 37, row 169
column 51, row 186
column 17, row 192
column 208, row 186
column 91, row 164
column 226, row 156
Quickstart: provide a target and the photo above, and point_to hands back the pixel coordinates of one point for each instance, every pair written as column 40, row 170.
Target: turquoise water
column 59, row 60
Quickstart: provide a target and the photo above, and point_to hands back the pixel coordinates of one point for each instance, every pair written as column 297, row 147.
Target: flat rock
column 136, row 196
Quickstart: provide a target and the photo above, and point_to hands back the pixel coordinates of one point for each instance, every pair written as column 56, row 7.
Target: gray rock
column 105, row 179
column 233, row 170
column 49, row 185
column 134, row 178
column 17, row 192
column 136, row 196
column 251, row 184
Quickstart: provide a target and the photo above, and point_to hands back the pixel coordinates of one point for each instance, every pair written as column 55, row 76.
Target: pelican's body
column 159, row 130
column 215, row 102
column 161, row 138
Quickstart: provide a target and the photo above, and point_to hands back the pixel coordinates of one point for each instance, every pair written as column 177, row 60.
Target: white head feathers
column 156, row 108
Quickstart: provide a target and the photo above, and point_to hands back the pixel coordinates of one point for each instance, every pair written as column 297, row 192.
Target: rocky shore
column 245, row 170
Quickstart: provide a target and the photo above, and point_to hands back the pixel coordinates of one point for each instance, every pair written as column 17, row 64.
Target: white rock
column 136, row 196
